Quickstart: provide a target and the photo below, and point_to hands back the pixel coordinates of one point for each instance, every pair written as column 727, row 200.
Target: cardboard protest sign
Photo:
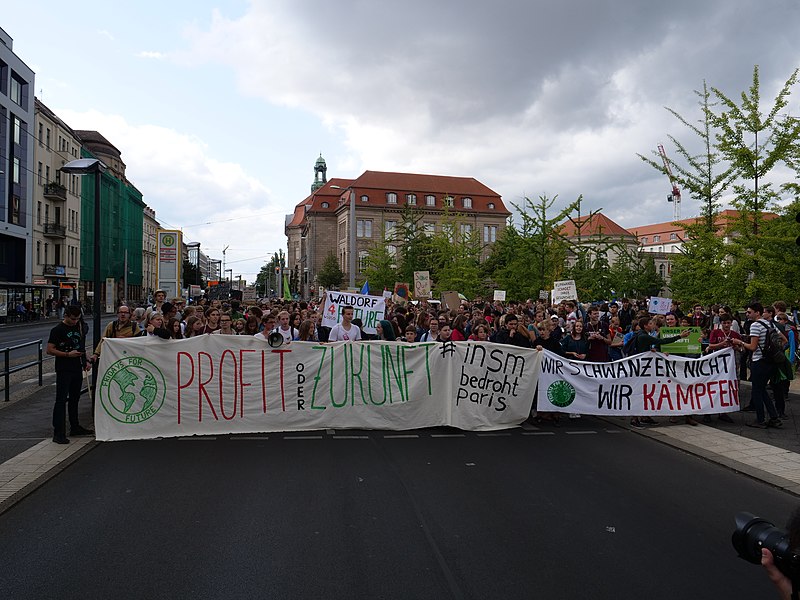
column 370, row 309
column 422, row 284
column 451, row 300
column 217, row 384
column 646, row 384
column 564, row 290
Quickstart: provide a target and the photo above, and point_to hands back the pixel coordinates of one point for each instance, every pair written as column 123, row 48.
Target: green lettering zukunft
column 357, row 374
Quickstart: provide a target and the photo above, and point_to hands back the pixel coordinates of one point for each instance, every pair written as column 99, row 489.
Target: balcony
column 55, row 230
column 54, row 270
column 55, row 191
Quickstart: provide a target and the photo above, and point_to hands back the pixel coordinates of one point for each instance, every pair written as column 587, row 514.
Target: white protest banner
column 658, row 306
column 544, row 294
column 422, row 284
column 646, row 384
column 499, row 295
column 217, row 384
column 564, row 290
column 370, row 309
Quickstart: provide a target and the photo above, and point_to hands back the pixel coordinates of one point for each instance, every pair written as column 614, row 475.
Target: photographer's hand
column 779, row 580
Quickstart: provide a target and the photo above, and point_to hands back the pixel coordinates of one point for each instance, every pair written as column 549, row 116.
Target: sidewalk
column 28, row 457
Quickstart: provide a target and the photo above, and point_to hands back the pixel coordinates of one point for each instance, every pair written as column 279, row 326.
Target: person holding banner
column 575, row 345
column 345, row 331
column 761, row 370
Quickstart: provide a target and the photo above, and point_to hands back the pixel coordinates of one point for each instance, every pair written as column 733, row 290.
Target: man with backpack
column 123, row 327
column 761, row 368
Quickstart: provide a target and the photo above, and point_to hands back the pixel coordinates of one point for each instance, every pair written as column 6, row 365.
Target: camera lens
column 753, row 533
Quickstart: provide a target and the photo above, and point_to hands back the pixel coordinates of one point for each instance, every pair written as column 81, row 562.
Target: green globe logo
column 561, row 393
column 132, row 390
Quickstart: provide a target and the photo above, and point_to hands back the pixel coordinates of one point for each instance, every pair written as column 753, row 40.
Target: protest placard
column 564, row 290
column 422, row 285
column 370, row 309
column 684, row 346
column 646, row 384
column 658, row 306
column 211, row 385
column 500, row 295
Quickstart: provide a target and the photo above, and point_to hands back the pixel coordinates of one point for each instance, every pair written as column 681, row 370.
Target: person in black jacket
column 510, row 333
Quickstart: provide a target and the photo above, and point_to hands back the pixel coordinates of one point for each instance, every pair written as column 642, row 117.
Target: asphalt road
column 578, row 512
column 13, row 335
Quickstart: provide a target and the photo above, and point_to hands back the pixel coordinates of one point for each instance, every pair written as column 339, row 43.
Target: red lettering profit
column 188, row 383
column 222, row 387
column 201, row 389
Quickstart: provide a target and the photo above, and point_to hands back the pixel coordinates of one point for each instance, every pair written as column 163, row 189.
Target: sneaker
column 78, row 431
column 757, row 424
column 774, row 423
column 60, row 439
column 574, row 416
column 725, row 418
column 636, row 424
column 783, row 416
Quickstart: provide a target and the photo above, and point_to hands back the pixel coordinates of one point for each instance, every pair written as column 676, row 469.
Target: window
column 325, row 205
column 38, row 253
column 430, row 200
column 661, row 269
column 673, row 236
column 656, row 238
column 362, row 260
column 466, row 230
column 15, row 175
column 644, row 240
column 389, row 229
column 365, row 198
column 467, row 202
column 41, row 134
column 489, row 233
column 363, row 229
column 47, row 139
column 490, row 206
column 39, row 212
column 429, row 228
column 392, row 250
column 391, row 198
column 19, row 91
column 16, row 130
column 39, row 174
column 411, row 199
column 47, row 174
column 448, row 201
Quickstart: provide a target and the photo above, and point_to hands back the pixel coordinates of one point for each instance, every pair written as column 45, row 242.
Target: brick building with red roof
column 320, row 224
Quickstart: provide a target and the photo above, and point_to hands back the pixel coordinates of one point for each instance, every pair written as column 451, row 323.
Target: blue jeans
column 760, row 372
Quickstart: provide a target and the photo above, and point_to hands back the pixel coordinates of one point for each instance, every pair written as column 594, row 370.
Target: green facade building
column 121, row 225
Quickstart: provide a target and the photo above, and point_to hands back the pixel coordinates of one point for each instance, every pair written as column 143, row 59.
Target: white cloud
column 106, row 34
column 215, row 201
column 528, row 97
column 150, row 54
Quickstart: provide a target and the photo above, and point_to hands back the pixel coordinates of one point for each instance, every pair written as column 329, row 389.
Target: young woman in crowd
column 306, row 331
column 212, row 320
column 385, row 331
column 175, row 329
column 194, row 326
column 225, row 325
column 575, row 345
column 155, row 326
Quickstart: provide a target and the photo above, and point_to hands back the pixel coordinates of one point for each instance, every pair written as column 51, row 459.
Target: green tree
column 379, row 267
column 634, row 275
column 330, row 275
column 413, row 245
column 192, row 275
column 700, row 271
column 456, row 258
column 266, row 278
column 704, row 175
column 755, row 142
column 530, row 256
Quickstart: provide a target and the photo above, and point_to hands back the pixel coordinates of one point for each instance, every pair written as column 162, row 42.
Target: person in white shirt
column 345, row 331
column 288, row 332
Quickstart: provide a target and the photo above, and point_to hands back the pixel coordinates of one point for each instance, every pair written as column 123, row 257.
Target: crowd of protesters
column 598, row 332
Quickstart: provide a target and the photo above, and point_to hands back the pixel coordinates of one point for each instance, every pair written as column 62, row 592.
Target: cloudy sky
column 221, row 108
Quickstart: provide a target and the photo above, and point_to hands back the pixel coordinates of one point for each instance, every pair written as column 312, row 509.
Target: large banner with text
column 646, row 384
column 218, row 384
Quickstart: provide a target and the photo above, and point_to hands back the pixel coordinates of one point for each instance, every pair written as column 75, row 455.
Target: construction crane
column 675, row 196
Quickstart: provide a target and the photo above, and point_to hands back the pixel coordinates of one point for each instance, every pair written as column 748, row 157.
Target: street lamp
column 352, row 262
column 85, row 166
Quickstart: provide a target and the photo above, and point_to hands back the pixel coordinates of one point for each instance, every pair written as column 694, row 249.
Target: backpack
column 630, row 347
column 772, row 351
